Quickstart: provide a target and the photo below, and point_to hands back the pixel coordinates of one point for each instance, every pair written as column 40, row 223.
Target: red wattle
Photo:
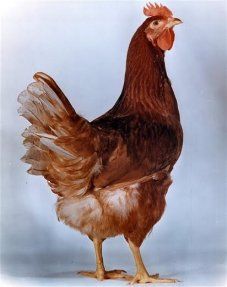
column 166, row 39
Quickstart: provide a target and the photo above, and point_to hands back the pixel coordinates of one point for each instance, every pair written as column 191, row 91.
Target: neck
column 147, row 89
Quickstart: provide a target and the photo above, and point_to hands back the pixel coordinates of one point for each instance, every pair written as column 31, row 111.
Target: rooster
column 111, row 175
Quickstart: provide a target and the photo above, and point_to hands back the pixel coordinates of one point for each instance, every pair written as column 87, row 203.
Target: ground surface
column 197, row 270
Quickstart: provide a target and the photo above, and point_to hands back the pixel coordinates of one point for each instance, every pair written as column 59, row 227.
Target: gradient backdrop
column 83, row 46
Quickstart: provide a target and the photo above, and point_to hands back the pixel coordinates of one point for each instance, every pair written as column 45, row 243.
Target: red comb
column 155, row 10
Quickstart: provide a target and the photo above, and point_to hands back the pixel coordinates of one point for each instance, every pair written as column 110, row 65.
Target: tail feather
column 52, row 86
column 59, row 143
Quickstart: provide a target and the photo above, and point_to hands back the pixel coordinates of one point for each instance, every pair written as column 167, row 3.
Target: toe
column 115, row 274
column 144, row 278
column 165, row 280
column 116, row 271
column 135, row 280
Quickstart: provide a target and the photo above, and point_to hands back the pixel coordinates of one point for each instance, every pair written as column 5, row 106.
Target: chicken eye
column 156, row 22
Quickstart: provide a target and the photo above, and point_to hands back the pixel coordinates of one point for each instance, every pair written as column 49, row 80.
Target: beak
column 173, row 22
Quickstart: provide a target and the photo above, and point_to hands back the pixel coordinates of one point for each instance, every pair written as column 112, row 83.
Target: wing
column 61, row 145
column 135, row 148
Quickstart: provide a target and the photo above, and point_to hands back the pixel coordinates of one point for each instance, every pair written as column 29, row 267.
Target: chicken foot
column 100, row 272
column 142, row 276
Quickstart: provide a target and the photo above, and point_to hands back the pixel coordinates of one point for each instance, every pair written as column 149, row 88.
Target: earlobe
column 149, row 33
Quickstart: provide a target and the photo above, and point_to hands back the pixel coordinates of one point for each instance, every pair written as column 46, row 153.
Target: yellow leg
column 142, row 276
column 100, row 272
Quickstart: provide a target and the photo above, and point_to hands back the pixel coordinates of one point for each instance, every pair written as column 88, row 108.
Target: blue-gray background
column 83, row 46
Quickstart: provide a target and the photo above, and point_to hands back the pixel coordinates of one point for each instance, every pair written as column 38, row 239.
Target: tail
column 60, row 143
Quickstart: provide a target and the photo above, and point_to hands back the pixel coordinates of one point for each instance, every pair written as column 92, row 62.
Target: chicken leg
column 142, row 276
column 100, row 272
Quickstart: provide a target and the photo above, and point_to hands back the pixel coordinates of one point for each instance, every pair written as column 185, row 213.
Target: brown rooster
column 111, row 175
